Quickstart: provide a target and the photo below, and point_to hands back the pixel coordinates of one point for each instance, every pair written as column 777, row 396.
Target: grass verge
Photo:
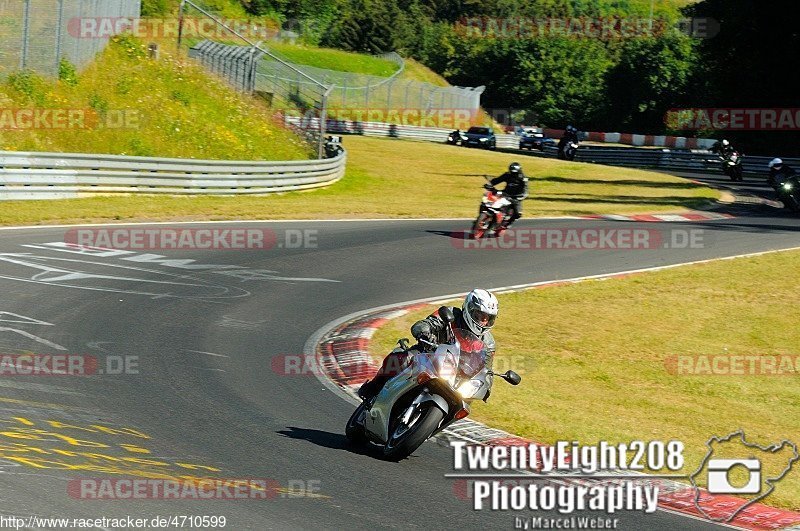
column 599, row 361
column 397, row 179
column 332, row 59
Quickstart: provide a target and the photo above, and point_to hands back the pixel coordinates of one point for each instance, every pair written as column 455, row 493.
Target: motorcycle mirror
column 512, row 377
column 447, row 314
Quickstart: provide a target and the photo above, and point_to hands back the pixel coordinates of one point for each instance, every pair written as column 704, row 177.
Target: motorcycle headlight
column 787, row 186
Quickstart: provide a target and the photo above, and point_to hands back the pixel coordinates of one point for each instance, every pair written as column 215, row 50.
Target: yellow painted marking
column 135, row 449
column 196, row 467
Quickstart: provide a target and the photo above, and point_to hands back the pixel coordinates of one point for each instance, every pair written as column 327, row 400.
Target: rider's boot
column 371, row 388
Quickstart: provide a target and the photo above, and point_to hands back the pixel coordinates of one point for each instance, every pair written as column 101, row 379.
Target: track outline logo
column 773, row 448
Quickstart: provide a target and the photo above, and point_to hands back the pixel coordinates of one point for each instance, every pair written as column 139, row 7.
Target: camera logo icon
column 719, row 471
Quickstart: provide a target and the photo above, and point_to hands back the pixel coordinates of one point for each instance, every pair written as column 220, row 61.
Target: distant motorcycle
column 732, row 166
column 429, row 394
column 568, row 150
column 789, row 193
column 493, row 210
column 455, row 139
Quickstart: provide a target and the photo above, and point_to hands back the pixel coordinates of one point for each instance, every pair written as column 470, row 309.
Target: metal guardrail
column 64, row 175
column 411, row 132
column 669, row 159
column 654, row 158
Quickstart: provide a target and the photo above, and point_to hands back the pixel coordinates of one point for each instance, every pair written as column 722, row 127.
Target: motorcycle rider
column 570, row 135
column 454, row 137
column 516, row 190
column 779, row 172
column 477, row 314
column 723, row 148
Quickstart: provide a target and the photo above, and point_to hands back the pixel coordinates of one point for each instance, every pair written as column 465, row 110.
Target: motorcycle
column 433, row 390
column 788, row 191
column 493, row 210
column 567, row 150
column 732, row 166
column 455, row 139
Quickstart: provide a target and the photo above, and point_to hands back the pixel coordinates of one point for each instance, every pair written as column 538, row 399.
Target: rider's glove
column 426, row 340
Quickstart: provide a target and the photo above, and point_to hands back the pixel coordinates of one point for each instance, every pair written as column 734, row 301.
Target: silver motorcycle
column 431, row 392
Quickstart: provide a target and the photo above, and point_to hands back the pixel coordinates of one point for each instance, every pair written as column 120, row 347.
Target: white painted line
column 207, row 353
column 239, row 221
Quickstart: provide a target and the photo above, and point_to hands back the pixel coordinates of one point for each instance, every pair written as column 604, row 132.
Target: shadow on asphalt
column 327, row 439
column 452, row 234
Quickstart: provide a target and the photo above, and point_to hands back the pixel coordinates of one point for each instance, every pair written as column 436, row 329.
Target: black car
column 482, row 137
column 532, row 139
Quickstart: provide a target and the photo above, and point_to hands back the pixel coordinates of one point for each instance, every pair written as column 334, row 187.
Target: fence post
column 26, row 22
column 323, row 117
column 59, row 36
column 180, row 24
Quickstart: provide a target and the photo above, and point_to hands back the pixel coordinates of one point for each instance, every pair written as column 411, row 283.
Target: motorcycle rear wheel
column 404, row 440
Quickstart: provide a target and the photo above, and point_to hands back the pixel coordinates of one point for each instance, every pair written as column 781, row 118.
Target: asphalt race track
column 203, row 339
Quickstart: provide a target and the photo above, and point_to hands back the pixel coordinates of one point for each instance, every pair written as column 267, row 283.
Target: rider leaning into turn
column 477, row 314
column 516, row 190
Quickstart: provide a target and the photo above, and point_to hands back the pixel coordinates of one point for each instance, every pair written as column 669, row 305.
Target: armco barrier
column 411, row 132
column 64, row 175
column 662, row 159
column 668, row 159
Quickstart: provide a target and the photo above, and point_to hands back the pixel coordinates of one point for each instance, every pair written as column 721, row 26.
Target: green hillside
column 127, row 104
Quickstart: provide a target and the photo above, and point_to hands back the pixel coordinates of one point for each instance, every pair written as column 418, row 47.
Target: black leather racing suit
column 780, row 175
column 516, row 191
column 568, row 136
column 722, row 151
column 433, row 329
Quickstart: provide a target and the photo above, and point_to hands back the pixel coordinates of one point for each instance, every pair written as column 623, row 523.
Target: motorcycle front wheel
column 406, row 438
column 481, row 225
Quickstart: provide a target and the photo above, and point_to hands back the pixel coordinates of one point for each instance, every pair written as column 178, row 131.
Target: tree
column 650, row 77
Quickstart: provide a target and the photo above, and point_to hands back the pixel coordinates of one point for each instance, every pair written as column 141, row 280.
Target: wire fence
column 317, row 93
column 362, row 91
column 37, row 34
column 235, row 63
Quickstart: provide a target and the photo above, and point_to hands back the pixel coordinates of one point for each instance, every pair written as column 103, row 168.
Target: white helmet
column 725, row 143
column 775, row 162
column 480, row 310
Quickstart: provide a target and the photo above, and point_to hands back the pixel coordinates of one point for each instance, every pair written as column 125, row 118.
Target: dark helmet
column 514, row 167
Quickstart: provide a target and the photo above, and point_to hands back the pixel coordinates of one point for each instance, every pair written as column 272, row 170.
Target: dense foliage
column 565, row 74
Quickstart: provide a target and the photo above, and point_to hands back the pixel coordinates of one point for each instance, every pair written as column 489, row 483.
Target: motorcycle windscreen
column 473, row 353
